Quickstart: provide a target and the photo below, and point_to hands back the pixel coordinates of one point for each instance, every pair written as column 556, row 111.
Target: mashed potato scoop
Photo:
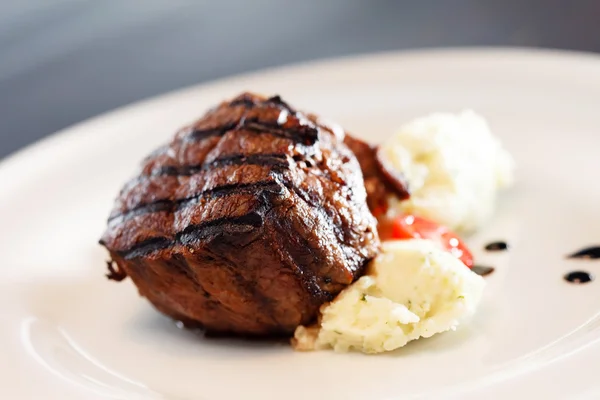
column 454, row 167
column 413, row 289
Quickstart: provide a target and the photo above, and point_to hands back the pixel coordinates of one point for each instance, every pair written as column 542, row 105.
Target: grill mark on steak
column 248, row 102
column 268, row 311
column 242, row 101
column 193, row 233
column 209, row 228
column 278, row 161
column 318, row 207
column 303, row 273
column 201, row 134
column 279, row 102
column 304, row 134
column 181, row 265
column 154, row 207
column 146, row 247
column 173, row 205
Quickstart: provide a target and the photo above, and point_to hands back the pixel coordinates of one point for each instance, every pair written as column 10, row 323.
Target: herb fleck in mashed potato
column 411, row 290
column 454, row 167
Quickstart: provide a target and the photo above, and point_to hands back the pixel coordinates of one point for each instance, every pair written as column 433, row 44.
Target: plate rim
column 539, row 54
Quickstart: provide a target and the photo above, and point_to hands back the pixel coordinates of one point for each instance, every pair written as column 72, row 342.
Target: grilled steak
column 247, row 222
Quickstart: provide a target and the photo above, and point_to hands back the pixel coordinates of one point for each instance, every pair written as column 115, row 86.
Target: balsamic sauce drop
column 579, row 277
column 589, row 253
column 496, row 246
column 482, row 270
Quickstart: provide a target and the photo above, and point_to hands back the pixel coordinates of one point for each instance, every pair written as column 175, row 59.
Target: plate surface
column 71, row 334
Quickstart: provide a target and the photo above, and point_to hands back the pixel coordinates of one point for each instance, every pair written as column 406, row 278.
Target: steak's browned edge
column 246, row 222
column 381, row 181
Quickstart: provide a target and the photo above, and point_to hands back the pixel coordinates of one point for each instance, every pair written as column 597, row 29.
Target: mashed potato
column 412, row 290
column 454, row 167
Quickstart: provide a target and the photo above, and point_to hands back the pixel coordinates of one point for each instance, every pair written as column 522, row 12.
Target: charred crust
column 259, row 249
column 115, row 273
column 394, row 179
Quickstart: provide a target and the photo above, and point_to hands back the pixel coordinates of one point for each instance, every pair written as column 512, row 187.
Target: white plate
column 68, row 333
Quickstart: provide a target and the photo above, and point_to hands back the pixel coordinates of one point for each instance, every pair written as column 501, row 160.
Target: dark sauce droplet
column 496, row 246
column 579, row 277
column 482, row 270
column 589, row 252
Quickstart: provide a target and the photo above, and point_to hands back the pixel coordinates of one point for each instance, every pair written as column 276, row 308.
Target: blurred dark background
column 62, row 61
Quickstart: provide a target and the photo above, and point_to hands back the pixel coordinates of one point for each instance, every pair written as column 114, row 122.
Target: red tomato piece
column 413, row 227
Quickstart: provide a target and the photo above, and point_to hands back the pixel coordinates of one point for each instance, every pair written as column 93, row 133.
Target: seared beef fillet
column 246, row 222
